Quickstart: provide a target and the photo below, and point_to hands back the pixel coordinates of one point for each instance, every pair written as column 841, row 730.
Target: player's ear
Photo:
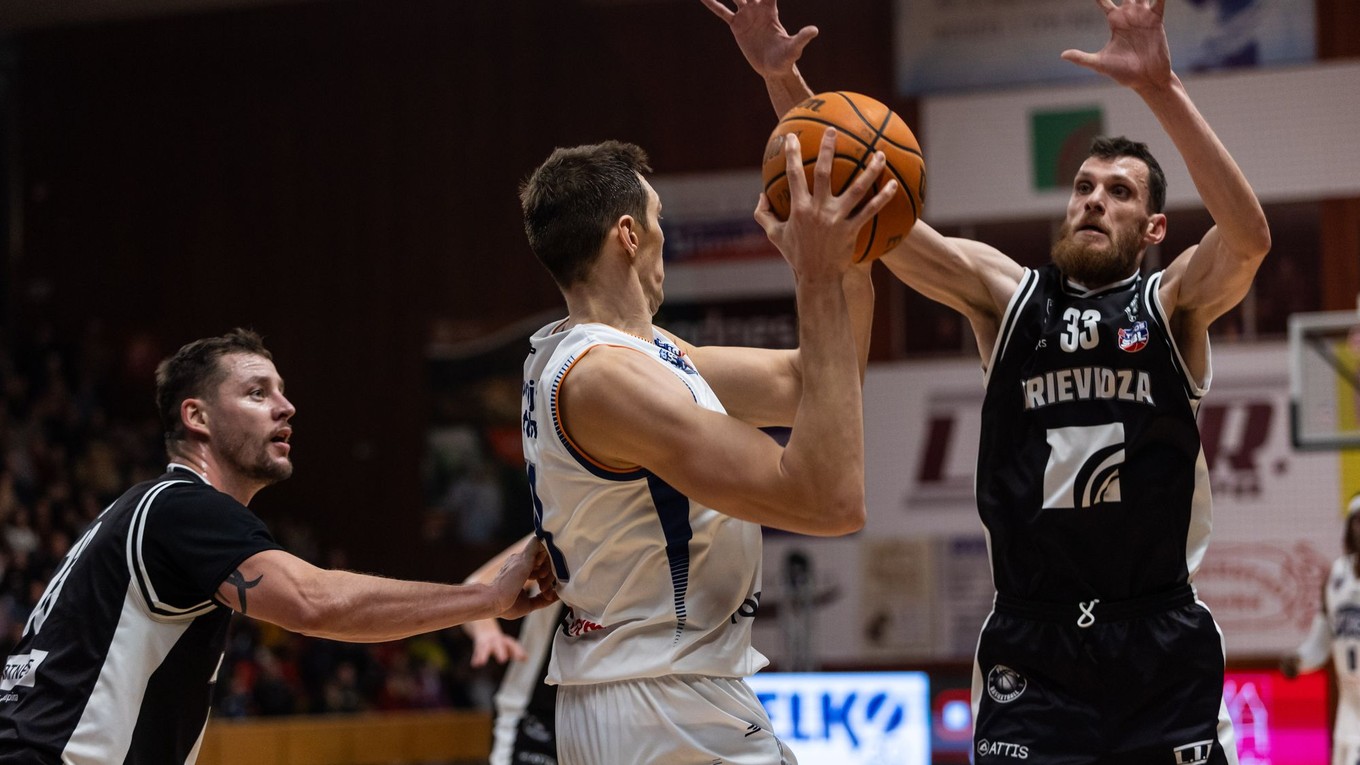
column 625, row 231
column 1155, row 230
column 193, row 412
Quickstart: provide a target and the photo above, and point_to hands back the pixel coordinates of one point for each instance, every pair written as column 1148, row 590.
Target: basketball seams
column 783, row 174
column 863, row 136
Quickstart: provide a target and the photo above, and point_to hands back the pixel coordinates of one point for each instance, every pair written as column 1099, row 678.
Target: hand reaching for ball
column 818, row 237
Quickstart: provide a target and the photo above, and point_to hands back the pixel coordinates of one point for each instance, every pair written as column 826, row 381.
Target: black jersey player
column 1091, row 480
column 118, row 659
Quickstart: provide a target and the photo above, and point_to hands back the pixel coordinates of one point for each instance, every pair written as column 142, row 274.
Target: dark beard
column 255, row 463
column 1093, row 268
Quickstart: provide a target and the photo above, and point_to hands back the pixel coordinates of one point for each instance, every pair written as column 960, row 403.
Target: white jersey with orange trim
column 655, row 584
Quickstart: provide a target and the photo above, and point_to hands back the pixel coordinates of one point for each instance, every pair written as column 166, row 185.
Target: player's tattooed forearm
column 238, row 579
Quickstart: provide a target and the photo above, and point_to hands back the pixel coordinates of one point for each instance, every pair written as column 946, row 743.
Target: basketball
column 863, row 126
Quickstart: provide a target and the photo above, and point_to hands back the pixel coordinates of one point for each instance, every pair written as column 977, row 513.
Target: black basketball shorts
column 1132, row 684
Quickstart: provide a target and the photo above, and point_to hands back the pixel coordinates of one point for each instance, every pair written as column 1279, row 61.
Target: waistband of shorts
column 1089, row 612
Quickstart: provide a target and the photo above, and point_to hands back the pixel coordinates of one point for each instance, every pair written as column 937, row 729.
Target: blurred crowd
column 77, row 428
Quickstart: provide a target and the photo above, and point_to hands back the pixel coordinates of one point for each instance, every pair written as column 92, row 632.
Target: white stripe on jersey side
column 1227, row 737
column 139, row 646
column 1028, row 281
column 975, row 697
column 1201, row 501
column 137, row 566
column 1152, row 297
column 198, row 743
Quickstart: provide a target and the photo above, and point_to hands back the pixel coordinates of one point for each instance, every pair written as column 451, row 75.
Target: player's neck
column 623, row 312
column 200, row 459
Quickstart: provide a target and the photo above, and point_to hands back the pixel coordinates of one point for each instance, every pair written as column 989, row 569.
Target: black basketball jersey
column 1091, row 479
column 117, row 661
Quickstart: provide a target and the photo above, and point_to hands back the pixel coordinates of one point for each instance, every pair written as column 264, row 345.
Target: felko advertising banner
column 915, row 718
column 965, row 44
column 849, row 718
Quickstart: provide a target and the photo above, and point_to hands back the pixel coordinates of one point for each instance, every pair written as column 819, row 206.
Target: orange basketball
column 863, row 126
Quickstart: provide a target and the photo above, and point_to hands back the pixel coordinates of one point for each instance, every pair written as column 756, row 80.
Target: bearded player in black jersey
column 1091, row 479
column 118, row 659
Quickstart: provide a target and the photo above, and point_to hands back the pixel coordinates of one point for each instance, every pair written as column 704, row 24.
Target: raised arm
column 973, row 278
column 1210, row 278
column 770, row 50
column 970, row 277
column 280, row 588
column 626, row 411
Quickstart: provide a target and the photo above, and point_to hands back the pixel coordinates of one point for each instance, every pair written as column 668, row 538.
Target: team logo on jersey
column 1133, row 339
column 1083, row 467
column 1193, row 754
column 1005, row 684
column 21, row 669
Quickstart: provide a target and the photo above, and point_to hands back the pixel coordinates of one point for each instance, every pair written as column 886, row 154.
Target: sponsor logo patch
column 987, row 748
column 1133, row 339
column 1193, row 754
column 576, row 626
column 674, row 356
column 21, row 670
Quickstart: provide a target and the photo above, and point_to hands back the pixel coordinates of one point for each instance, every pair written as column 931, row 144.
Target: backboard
column 1324, row 380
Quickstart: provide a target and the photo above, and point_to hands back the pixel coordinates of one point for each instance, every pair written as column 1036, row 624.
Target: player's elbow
column 847, row 522
column 842, row 515
column 1254, row 242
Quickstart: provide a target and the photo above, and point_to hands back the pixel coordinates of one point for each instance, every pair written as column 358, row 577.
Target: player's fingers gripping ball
column 863, row 126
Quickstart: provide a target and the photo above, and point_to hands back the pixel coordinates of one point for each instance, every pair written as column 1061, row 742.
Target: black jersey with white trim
column 1091, row 479
column 118, row 659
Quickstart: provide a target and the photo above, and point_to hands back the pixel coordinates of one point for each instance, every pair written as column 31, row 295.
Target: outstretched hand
column 529, row 565
column 819, row 236
column 768, row 47
column 1137, row 55
column 491, row 643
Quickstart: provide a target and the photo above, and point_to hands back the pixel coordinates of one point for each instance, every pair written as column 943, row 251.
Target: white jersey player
column 655, row 584
column 650, row 475
column 1335, row 634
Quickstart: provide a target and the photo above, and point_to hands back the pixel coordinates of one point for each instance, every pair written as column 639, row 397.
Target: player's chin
column 278, row 469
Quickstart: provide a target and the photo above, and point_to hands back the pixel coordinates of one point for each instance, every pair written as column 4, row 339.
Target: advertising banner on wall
column 714, row 247
column 849, row 718
column 1027, row 143
column 944, row 45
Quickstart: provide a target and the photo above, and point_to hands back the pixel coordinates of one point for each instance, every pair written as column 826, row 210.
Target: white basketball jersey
column 1342, row 602
column 655, row 584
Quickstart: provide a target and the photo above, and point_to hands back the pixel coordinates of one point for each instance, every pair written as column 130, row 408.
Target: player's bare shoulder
column 615, row 400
